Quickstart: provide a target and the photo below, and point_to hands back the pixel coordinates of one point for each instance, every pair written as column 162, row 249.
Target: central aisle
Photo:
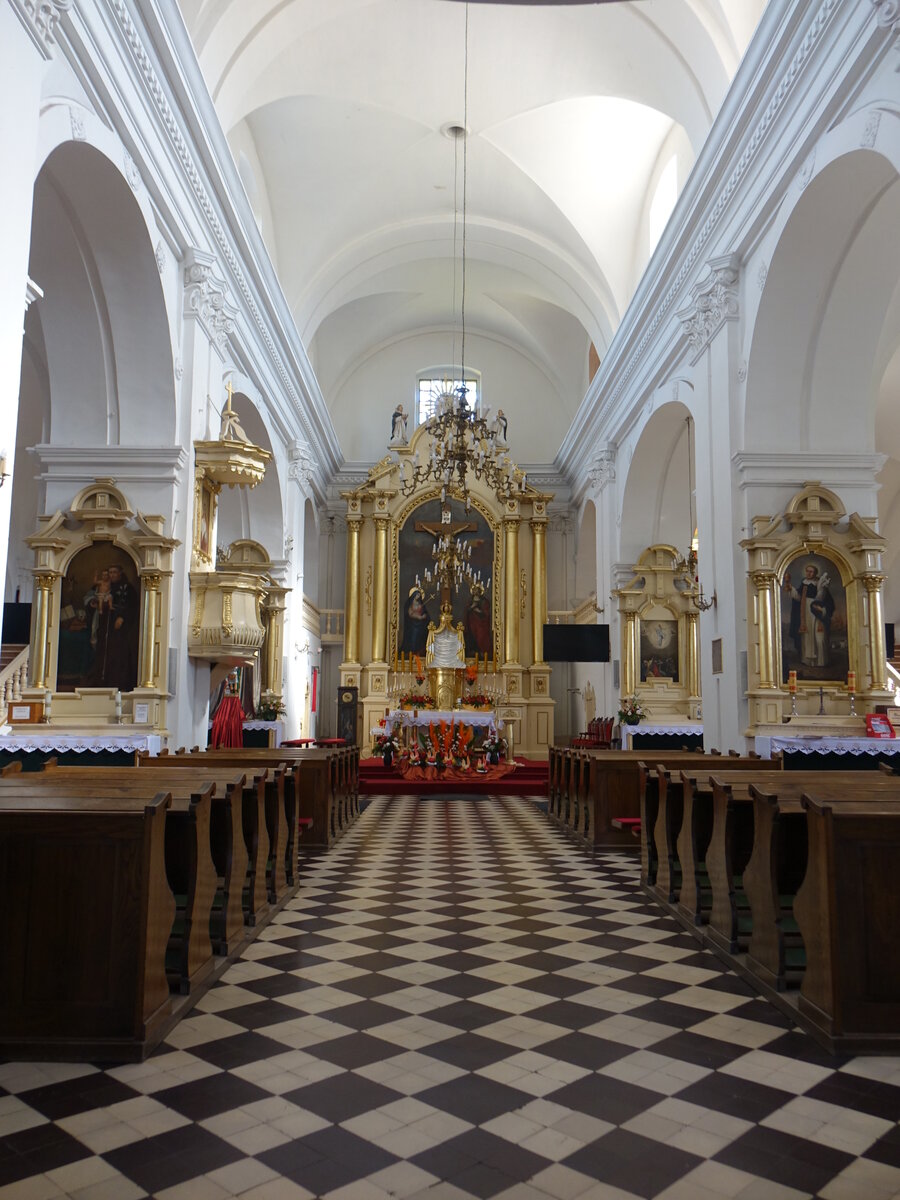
column 459, row 1003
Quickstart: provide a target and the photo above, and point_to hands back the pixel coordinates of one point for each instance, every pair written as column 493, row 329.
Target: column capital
column 206, row 297
column 714, row 301
column 887, row 13
column 873, row 581
column 302, row 463
column 602, row 471
column 39, row 19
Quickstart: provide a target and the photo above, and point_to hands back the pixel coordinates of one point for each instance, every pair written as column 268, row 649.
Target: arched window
column 431, row 385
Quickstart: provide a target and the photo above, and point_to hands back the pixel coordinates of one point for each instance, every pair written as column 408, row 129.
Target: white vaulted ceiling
column 335, row 109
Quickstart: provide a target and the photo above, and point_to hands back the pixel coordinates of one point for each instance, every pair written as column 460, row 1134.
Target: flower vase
column 632, row 720
column 388, row 758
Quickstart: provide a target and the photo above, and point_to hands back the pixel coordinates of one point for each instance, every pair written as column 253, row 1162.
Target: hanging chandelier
column 463, row 442
column 452, row 557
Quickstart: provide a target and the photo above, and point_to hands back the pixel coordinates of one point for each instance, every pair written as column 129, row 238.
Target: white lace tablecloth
column 46, row 742
column 689, row 728
column 767, row 746
column 408, row 717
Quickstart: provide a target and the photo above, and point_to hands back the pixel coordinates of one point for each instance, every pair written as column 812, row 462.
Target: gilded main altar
column 494, row 617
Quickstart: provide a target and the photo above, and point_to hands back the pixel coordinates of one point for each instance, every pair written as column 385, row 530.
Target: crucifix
column 450, row 529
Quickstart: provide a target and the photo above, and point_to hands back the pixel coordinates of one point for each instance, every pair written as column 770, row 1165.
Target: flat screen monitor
column 576, row 643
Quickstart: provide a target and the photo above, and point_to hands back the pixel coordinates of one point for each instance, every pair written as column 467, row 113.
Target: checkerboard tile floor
column 458, row 1003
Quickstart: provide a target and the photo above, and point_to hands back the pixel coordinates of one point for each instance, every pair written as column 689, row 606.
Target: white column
column 603, row 478
column 207, row 318
column 24, row 53
column 713, row 336
column 299, row 644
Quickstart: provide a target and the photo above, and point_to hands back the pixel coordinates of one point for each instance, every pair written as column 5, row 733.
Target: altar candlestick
column 792, row 681
column 851, row 681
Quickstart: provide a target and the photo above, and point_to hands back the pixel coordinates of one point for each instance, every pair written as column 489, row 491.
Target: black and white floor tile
column 458, row 1003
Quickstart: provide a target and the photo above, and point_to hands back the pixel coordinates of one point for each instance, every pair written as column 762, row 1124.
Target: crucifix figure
column 448, row 528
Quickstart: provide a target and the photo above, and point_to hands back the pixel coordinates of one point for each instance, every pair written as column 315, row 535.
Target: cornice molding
column 39, row 19
column 132, row 464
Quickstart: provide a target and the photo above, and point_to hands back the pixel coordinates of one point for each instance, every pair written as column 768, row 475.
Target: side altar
column 446, row 582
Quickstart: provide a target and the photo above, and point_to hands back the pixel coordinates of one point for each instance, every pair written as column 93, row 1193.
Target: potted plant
column 631, row 712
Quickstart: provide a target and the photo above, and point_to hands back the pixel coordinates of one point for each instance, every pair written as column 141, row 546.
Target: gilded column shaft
column 876, row 630
column 628, row 658
column 379, row 599
column 148, row 629
column 44, row 585
column 764, row 582
column 538, row 588
column 271, row 650
column 511, row 591
column 351, row 597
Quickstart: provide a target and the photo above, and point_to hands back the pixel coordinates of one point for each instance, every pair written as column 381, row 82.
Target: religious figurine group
column 400, row 433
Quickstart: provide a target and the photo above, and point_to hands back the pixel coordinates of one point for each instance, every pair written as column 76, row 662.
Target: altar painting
column 659, row 649
column 421, row 604
column 99, row 621
column 814, row 639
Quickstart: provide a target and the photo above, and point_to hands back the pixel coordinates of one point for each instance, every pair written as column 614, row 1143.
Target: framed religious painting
column 420, row 603
column 814, row 640
column 99, row 620
column 659, row 649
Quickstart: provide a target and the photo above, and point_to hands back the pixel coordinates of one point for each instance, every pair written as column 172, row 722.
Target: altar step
column 530, row 778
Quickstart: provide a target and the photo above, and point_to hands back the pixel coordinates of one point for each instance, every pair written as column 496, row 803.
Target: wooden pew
column 87, row 912
column 615, row 789
column 742, row 907
column 316, row 794
column 778, row 863
column 239, row 841
column 648, row 801
column 848, row 912
column 683, row 834
column 281, row 807
column 188, row 861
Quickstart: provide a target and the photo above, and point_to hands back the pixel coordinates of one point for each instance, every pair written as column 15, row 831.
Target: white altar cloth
column 687, row 729
column 420, row 718
column 46, row 742
column 767, row 746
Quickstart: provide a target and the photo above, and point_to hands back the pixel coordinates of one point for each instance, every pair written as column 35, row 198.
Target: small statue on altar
column 446, row 645
column 499, row 427
column 399, row 436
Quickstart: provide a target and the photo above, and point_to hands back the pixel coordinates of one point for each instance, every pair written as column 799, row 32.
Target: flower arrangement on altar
column 387, row 743
column 494, row 746
column 631, row 711
column 416, row 700
column 270, row 710
column 479, row 700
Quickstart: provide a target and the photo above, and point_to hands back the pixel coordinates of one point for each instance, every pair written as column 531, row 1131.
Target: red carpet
column 530, row 778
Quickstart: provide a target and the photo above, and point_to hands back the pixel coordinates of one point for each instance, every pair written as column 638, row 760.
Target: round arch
column 820, row 342
column 256, row 513
column 586, row 553
column 657, row 504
